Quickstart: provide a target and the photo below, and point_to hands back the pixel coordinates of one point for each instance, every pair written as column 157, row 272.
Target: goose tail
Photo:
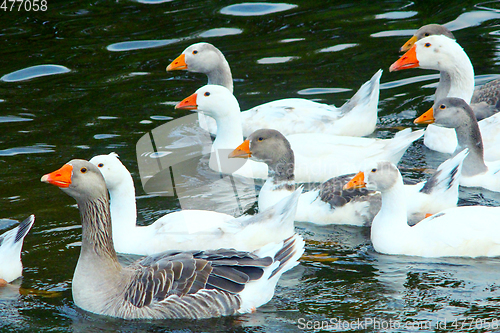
column 285, row 256
column 364, row 105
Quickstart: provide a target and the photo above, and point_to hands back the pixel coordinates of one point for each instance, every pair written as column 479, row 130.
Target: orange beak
column 357, row 181
column 179, row 63
column 408, row 60
column 242, row 151
column 426, row 118
column 60, row 178
column 427, row 215
column 188, row 103
column 409, row 43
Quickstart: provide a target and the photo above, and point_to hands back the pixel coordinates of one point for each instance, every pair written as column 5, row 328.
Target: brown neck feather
column 96, row 227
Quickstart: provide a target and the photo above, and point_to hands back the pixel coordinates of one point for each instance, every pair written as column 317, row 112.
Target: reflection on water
column 34, row 71
column 396, row 15
column 472, row 18
column 219, row 32
column 256, row 8
column 337, row 48
column 26, row 150
column 118, row 91
column 275, row 60
column 140, row 44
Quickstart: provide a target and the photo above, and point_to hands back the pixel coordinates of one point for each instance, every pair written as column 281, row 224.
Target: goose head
column 450, row 112
column 80, row 179
column 378, row 176
column 213, row 100
column 426, row 31
column 198, row 58
column 434, row 52
column 112, row 169
column 268, row 146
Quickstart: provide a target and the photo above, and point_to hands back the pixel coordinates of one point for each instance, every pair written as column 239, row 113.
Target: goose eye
column 374, row 170
column 100, row 165
column 207, row 94
column 83, row 170
column 260, row 139
column 442, row 106
column 426, row 34
column 195, row 52
column 427, row 44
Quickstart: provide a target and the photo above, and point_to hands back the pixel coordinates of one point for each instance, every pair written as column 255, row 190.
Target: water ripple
column 471, row 19
column 482, row 5
column 105, row 136
column 396, row 15
column 337, row 48
column 139, row 45
column 153, row 2
column 465, row 20
column 275, row 60
column 317, row 91
column 161, row 118
column 404, row 82
column 391, row 33
column 34, row 71
column 11, row 119
column 256, row 8
column 219, row 32
column 36, row 149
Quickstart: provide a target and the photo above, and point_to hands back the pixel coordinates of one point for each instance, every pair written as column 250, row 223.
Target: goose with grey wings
column 329, row 203
column 173, row 284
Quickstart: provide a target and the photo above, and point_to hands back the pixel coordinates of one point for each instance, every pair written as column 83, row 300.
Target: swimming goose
column 166, row 285
column 357, row 117
column 456, row 114
column 471, row 231
column 457, row 80
column 329, row 203
column 11, row 243
column 318, row 157
column 187, row 229
column 486, row 99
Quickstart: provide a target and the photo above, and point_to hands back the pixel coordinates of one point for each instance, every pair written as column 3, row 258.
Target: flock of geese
column 201, row 264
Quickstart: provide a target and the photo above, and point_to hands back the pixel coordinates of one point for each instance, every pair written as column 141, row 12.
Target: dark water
column 85, row 78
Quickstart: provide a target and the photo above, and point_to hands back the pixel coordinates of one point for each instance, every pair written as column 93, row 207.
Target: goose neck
column 461, row 75
column 282, row 172
column 123, row 207
column 391, row 223
column 443, row 88
column 469, row 136
column 221, row 76
column 229, row 131
column 97, row 241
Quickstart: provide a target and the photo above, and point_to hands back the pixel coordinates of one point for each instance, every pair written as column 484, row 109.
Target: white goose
column 485, row 100
column 329, row 203
column 167, row 285
column 11, row 243
column 471, row 231
column 187, row 229
column 456, row 114
column 357, row 117
column 457, row 80
column 318, row 156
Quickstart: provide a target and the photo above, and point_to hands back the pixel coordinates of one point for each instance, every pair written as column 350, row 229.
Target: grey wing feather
column 332, row 191
column 486, row 100
column 157, row 278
